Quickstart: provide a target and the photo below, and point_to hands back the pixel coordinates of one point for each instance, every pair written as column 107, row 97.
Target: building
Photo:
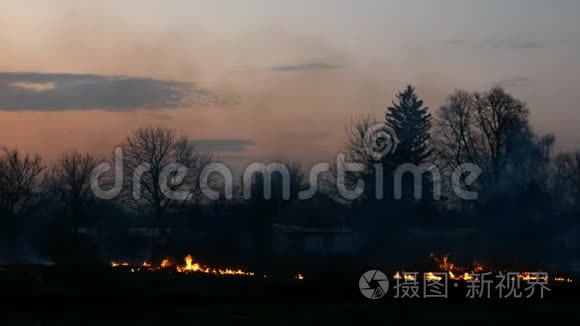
column 290, row 239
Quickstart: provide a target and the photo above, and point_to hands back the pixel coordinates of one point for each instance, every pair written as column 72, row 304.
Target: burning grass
column 190, row 266
column 469, row 272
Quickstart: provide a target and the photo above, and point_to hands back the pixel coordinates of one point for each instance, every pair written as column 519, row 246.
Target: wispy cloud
column 513, row 43
column 59, row 92
column 223, row 145
column 306, row 67
column 517, row 81
column 36, row 87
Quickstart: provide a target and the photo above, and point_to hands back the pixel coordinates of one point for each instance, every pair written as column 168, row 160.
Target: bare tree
column 69, row 181
column 355, row 150
column 481, row 128
column 501, row 119
column 455, row 137
column 148, row 152
column 195, row 161
column 19, row 181
column 294, row 182
column 298, row 181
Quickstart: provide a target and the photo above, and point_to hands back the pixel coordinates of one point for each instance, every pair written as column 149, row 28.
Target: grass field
column 100, row 296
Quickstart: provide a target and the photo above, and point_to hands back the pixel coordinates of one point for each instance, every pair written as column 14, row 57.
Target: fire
column 444, row 263
column 465, row 277
column 194, row 267
column 478, row 267
column 456, row 272
column 299, row 277
column 528, row 277
column 465, row 273
column 432, row 277
column 191, row 266
column 405, row 276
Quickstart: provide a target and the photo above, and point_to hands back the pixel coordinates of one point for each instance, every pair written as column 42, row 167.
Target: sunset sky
column 270, row 79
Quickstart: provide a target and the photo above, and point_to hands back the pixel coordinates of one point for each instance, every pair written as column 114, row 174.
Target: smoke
column 23, row 254
column 298, row 110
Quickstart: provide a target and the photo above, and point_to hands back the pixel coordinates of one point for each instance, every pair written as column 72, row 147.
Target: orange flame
column 432, row 277
column 456, row 272
column 533, row 277
column 190, row 266
column 405, row 276
column 464, row 273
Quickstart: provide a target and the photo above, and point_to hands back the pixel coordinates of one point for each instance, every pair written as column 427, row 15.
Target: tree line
column 527, row 207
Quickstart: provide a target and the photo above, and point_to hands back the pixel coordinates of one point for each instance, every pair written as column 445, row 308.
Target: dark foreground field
column 89, row 295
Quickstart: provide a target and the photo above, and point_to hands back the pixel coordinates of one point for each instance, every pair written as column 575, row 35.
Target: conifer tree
column 411, row 122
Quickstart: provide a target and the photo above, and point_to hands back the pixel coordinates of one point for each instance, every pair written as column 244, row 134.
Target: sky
column 270, row 80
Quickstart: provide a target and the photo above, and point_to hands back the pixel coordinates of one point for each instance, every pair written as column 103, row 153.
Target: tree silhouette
column 69, row 184
column 262, row 212
column 374, row 215
column 411, row 122
column 148, row 151
column 501, row 119
column 153, row 159
column 491, row 130
column 19, row 180
column 69, row 181
column 487, row 129
column 567, row 180
column 19, row 190
column 355, row 151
